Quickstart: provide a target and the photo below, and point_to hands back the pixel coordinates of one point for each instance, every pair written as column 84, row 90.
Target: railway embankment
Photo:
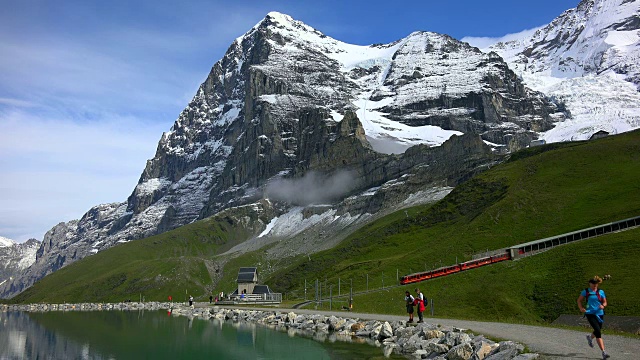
column 524, row 249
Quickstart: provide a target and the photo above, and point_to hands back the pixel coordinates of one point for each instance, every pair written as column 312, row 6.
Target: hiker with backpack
column 409, row 301
column 596, row 301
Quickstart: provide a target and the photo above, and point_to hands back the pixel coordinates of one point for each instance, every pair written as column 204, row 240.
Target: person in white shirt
column 408, row 298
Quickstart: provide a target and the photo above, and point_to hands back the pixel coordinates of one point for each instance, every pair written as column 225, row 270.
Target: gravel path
column 550, row 343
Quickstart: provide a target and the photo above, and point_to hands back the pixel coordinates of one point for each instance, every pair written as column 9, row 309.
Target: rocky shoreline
column 419, row 341
column 91, row 306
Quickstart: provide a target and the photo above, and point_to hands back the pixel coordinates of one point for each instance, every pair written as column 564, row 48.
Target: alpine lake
column 159, row 335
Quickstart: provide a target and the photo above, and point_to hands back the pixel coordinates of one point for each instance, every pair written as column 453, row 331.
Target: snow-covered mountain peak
column 589, row 59
column 4, row 242
column 295, row 36
column 595, row 37
column 287, row 27
column 285, row 21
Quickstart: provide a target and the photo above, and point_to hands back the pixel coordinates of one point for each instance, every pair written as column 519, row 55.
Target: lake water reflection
column 155, row 335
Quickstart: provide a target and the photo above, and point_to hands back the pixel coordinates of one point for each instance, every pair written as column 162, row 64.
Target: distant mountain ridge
column 16, row 257
column 4, row 242
column 380, row 126
column 587, row 58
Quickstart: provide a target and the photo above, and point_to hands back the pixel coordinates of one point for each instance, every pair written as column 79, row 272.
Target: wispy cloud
column 312, row 188
column 84, row 79
column 85, row 95
column 16, row 103
column 56, row 169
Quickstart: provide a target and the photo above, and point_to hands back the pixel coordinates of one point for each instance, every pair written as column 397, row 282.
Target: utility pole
column 351, row 297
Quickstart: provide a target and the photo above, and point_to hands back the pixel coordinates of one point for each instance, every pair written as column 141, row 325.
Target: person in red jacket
column 419, row 304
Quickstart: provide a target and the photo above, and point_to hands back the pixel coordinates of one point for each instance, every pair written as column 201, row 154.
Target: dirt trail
column 550, row 343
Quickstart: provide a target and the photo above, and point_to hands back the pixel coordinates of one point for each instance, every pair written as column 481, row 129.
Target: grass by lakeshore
column 175, row 263
column 541, row 192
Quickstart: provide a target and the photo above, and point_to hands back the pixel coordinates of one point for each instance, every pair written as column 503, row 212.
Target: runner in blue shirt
column 594, row 311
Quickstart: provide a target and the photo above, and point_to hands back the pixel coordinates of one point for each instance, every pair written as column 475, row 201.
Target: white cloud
column 16, row 102
column 312, row 188
column 80, row 78
column 56, row 169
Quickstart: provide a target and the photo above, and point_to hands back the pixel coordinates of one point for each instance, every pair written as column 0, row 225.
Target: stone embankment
column 89, row 306
column 419, row 341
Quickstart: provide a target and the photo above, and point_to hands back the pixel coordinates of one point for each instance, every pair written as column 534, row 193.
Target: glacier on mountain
column 589, row 59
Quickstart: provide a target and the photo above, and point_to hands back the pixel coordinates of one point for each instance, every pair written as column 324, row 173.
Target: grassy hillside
column 173, row 263
column 540, row 192
column 531, row 290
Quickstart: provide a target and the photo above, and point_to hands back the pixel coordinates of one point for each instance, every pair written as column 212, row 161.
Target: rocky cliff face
column 16, row 257
column 437, row 80
column 377, row 127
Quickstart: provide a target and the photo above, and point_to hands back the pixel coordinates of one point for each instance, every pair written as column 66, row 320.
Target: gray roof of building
column 247, row 274
column 246, row 277
column 262, row 289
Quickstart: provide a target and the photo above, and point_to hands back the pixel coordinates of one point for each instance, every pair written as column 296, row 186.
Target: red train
column 426, row 275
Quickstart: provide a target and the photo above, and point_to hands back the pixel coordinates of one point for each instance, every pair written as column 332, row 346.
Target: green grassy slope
column 541, row 192
column 171, row 263
column 546, row 191
column 535, row 289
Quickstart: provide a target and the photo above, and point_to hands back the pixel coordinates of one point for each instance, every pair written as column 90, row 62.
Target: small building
column 537, row 142
column 247, row 280
column 249, row 289
column 599, row 134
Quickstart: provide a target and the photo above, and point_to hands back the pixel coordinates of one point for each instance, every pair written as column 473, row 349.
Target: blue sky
column 87, row 87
